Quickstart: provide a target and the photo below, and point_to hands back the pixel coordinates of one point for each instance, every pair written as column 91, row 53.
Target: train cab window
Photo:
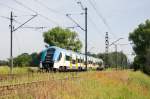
column 60, row 56
column 68, row 58
column 49, row 55
column 51, row 51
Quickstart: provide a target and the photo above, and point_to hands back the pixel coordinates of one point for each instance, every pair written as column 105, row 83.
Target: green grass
column 112, row 85
column 109, row 84
column 16, row 70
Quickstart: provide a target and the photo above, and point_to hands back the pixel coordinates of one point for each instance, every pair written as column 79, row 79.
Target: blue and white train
column 55, row 58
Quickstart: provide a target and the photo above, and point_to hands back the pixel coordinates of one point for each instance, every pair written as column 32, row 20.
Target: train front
column 49, row 57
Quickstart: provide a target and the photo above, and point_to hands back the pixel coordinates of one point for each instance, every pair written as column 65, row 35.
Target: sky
column 117, row 17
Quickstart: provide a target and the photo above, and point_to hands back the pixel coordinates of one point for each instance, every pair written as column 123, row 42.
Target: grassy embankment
column 17, row 70
column 94, row 85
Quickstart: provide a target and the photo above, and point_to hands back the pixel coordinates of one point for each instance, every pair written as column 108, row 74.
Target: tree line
column 23, row 60
column 33, row 60
column 69, row 40
column 114, row 60
column 140, row 38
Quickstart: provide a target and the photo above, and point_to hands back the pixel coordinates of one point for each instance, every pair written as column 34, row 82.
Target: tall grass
column 109, row 84
column 16, row 70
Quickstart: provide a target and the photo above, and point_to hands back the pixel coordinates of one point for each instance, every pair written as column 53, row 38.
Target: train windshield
column 49, row 55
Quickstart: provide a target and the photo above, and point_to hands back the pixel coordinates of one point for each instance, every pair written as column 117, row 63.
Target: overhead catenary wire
column 95, row 26
column 99, row 14
column 101, row 17
column 35, row 11
column 91, row 43
column 21, row 4
column 12, row 8
column 30, row 27
column 90, row 19
column 50, row 9
column 45, row 17
column 79, row 2
column 69, row 16
column 82, row 7
column 55, row 11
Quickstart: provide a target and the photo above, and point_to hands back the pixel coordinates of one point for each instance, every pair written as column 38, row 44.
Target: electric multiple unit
column 55, row 58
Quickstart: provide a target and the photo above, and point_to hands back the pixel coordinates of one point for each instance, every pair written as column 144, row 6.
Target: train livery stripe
column 76, row 64
column 70, row 64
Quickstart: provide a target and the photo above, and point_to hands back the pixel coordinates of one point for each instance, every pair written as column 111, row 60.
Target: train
column 54, row 58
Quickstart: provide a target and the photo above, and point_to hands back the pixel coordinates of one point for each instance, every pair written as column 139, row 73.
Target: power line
column 24, row 23
column 95, row 26
column 101, row 16
column 69, row 16
column 30, row 27
column 84, row 29
column 76, row 13
column 12, row 30
column 82, row 7
column 23, row 5
column 50, row 9
column 12, row 8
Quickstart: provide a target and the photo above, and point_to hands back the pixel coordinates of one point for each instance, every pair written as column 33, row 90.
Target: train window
column 49, row 55
column 79, row 60
column 82, row 61
column 91, row 62
column 51, row 51
column 60, row 55
column 68, row 58
column 73, row 61
column 85, row 63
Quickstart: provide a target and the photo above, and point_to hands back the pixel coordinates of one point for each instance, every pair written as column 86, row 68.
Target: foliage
column 147, row 66
column 35, row 59
column 88, row 85
column 119, row 59
column 16, row 70
column 63, row 38
column 22, row 60
column 141, row 40
column 3, row 63
column 26, row 59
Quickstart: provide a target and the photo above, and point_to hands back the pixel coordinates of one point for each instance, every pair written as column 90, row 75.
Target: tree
column 26, row 59
column 63, row 38
column 147, row 66
column 35, row 59
column 141, row 40
column 22, row 60
column 3, row 63
column 118, row 59
column 121, row 60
